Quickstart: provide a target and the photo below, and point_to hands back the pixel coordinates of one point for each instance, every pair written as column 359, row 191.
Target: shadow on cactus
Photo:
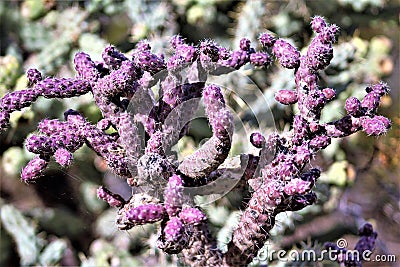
column 278, row 174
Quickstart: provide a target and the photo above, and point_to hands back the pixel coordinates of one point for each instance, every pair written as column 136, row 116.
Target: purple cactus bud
column 120, row 82
column 329, row 93
column 86, row 68
column 319, row 53
column 173, row 195
column 213, row 99
column 376, row 126
column 257, row 140
column 112, row 57
column 40, row 145
column 34, row 76
column 210, row 51
column 174, row 229
column 297, row 186
column 320, row 142
column 174, row 237
column 149, row 62
column 267, row 40
column 63, row 157
column 286, row 97
column 187, row 52
column 143, row 46
column 4, row 119
column 260, row 59
column 18, row 100
column 172, row 92
column 366, row 230
column 146, row 213
column 367, row 239
column 287, row 54
column 176, row 40
column 245, row 44
column 34, row 169
column 236, row 59
column 114, row 200
column 370, row 102
column 318, row 24
column 353, row 106
column 328, row 35
column 378, row 89
column 192, row 216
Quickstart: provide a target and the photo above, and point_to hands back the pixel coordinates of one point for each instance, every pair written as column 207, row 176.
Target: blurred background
column 59, row 220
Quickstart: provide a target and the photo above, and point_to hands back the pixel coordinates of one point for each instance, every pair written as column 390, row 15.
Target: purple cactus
column 112, row 57
column 4, row 119
column 63, row 157
column 114, row 200
column 34, row 169
column 260, row 59
column 214, row 151
column 287, row 54
column 34, row 76
column 257, row 140
column 174, row 236
column 286, row 97
column 173, row 195
column 267, row 40
column 192, row 216
column 122, row 89
column 146, row 213
column 245, row 44
column 17, row 100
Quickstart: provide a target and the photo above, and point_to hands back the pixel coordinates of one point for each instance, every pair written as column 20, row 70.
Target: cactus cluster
column 122, row 85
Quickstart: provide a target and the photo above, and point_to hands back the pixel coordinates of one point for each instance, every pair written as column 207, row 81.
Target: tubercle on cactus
column 283, row 184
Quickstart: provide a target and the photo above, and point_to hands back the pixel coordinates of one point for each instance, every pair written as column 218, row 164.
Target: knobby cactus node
column 121, row 83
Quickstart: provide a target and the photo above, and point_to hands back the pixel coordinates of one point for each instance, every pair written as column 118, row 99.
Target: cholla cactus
column 121, row 87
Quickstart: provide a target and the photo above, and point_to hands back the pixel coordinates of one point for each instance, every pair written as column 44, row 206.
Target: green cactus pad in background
column 53, row 253
column 23, row 233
